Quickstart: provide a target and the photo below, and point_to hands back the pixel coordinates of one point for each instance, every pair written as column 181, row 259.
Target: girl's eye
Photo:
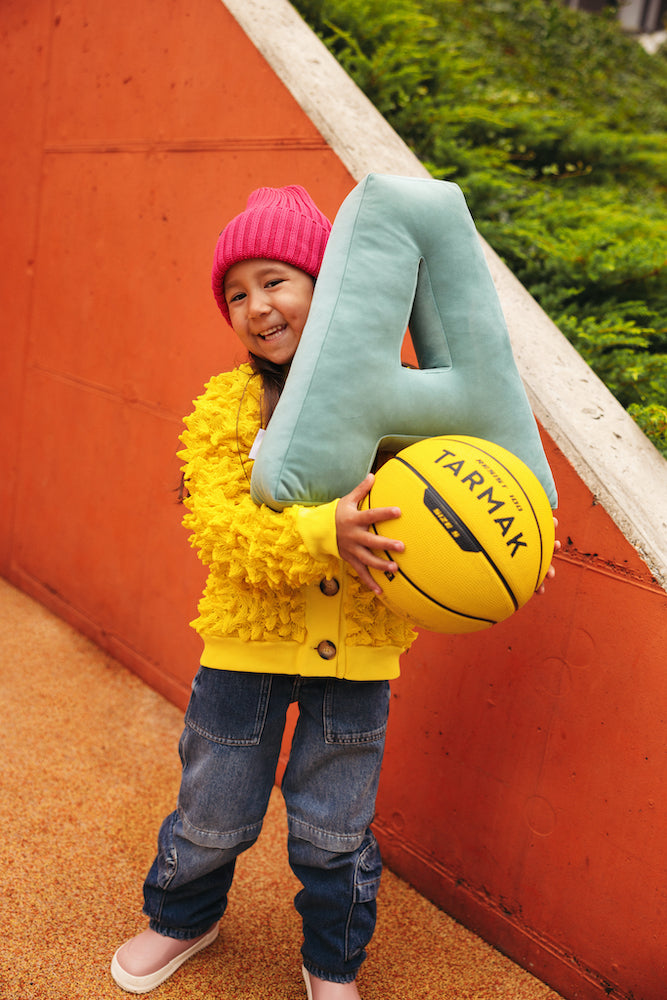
column 274, row 282
column 237, row 298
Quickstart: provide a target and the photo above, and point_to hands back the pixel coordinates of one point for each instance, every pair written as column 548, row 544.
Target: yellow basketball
column 478, row 532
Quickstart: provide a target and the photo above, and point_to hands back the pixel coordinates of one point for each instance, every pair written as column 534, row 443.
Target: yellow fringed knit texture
column 258, row 562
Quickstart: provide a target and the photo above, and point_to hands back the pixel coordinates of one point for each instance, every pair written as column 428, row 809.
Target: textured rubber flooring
column 90, row 768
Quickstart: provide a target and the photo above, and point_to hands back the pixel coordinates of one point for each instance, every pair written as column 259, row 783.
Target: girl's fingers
column 362, row 489
column 378, row 514
column 378, row 543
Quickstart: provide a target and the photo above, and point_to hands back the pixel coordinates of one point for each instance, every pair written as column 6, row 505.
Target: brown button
column 329, row 587
column 326, row 649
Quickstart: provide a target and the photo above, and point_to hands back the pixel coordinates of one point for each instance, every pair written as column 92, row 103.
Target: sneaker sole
column 306, row 979
column 144, row 984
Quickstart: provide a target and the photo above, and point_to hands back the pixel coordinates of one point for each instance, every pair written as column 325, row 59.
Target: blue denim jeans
column 229, row 752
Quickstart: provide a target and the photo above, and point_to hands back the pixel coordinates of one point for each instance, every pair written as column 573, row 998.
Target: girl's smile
column 268, row 302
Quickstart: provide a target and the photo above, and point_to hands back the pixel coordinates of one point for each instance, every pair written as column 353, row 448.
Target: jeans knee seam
column 228, row 839
column 337, row 841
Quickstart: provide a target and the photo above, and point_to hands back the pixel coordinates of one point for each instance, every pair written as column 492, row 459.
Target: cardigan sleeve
column 295, row 546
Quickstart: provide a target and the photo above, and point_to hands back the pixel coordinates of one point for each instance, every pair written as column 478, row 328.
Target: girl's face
column 268, row 304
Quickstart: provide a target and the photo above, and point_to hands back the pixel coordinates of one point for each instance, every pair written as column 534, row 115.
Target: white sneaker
column 147, row 960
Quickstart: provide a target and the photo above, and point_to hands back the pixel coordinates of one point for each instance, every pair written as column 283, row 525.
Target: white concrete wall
column 618, row 463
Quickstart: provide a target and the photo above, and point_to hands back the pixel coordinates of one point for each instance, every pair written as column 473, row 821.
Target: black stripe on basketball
column 478, row 547
column 494, row 458
column 429, row 597
column 445, row 607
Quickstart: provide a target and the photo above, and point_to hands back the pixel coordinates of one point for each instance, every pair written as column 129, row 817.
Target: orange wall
column 528, row 798
column 131, row 134
column 524, row 768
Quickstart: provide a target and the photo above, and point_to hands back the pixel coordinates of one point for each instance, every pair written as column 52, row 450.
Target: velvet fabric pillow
column 402, row 252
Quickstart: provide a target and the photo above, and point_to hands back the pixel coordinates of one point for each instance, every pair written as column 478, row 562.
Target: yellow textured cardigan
column 278, row 598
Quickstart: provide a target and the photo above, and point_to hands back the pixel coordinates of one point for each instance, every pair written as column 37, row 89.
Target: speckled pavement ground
column 89, row 770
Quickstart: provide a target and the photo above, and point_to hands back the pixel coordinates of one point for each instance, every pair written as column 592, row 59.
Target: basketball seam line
column 445, row 607
column 526, row 497
column 482, row 550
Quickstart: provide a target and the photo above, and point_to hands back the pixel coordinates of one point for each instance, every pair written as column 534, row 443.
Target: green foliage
column 653, row 421
column 554, row 124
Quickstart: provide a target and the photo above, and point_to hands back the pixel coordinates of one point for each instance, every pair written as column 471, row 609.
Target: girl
column 289, row 613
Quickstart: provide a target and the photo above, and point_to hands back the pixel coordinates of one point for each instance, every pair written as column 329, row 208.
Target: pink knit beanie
column 279, row 224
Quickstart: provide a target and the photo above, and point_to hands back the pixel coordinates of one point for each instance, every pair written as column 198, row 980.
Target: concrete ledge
column 610, row 453
column 617, row 462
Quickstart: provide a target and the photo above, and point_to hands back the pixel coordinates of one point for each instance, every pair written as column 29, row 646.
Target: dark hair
column 273, row 382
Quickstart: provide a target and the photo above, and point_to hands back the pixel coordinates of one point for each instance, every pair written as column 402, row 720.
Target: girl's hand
column 551, row 572
column 356, row 543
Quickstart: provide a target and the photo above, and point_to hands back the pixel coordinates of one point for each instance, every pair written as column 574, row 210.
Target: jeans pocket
column 361, row 919
column 166, row 863
column 229, row 706
column 355, row 711
column 368, row 873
